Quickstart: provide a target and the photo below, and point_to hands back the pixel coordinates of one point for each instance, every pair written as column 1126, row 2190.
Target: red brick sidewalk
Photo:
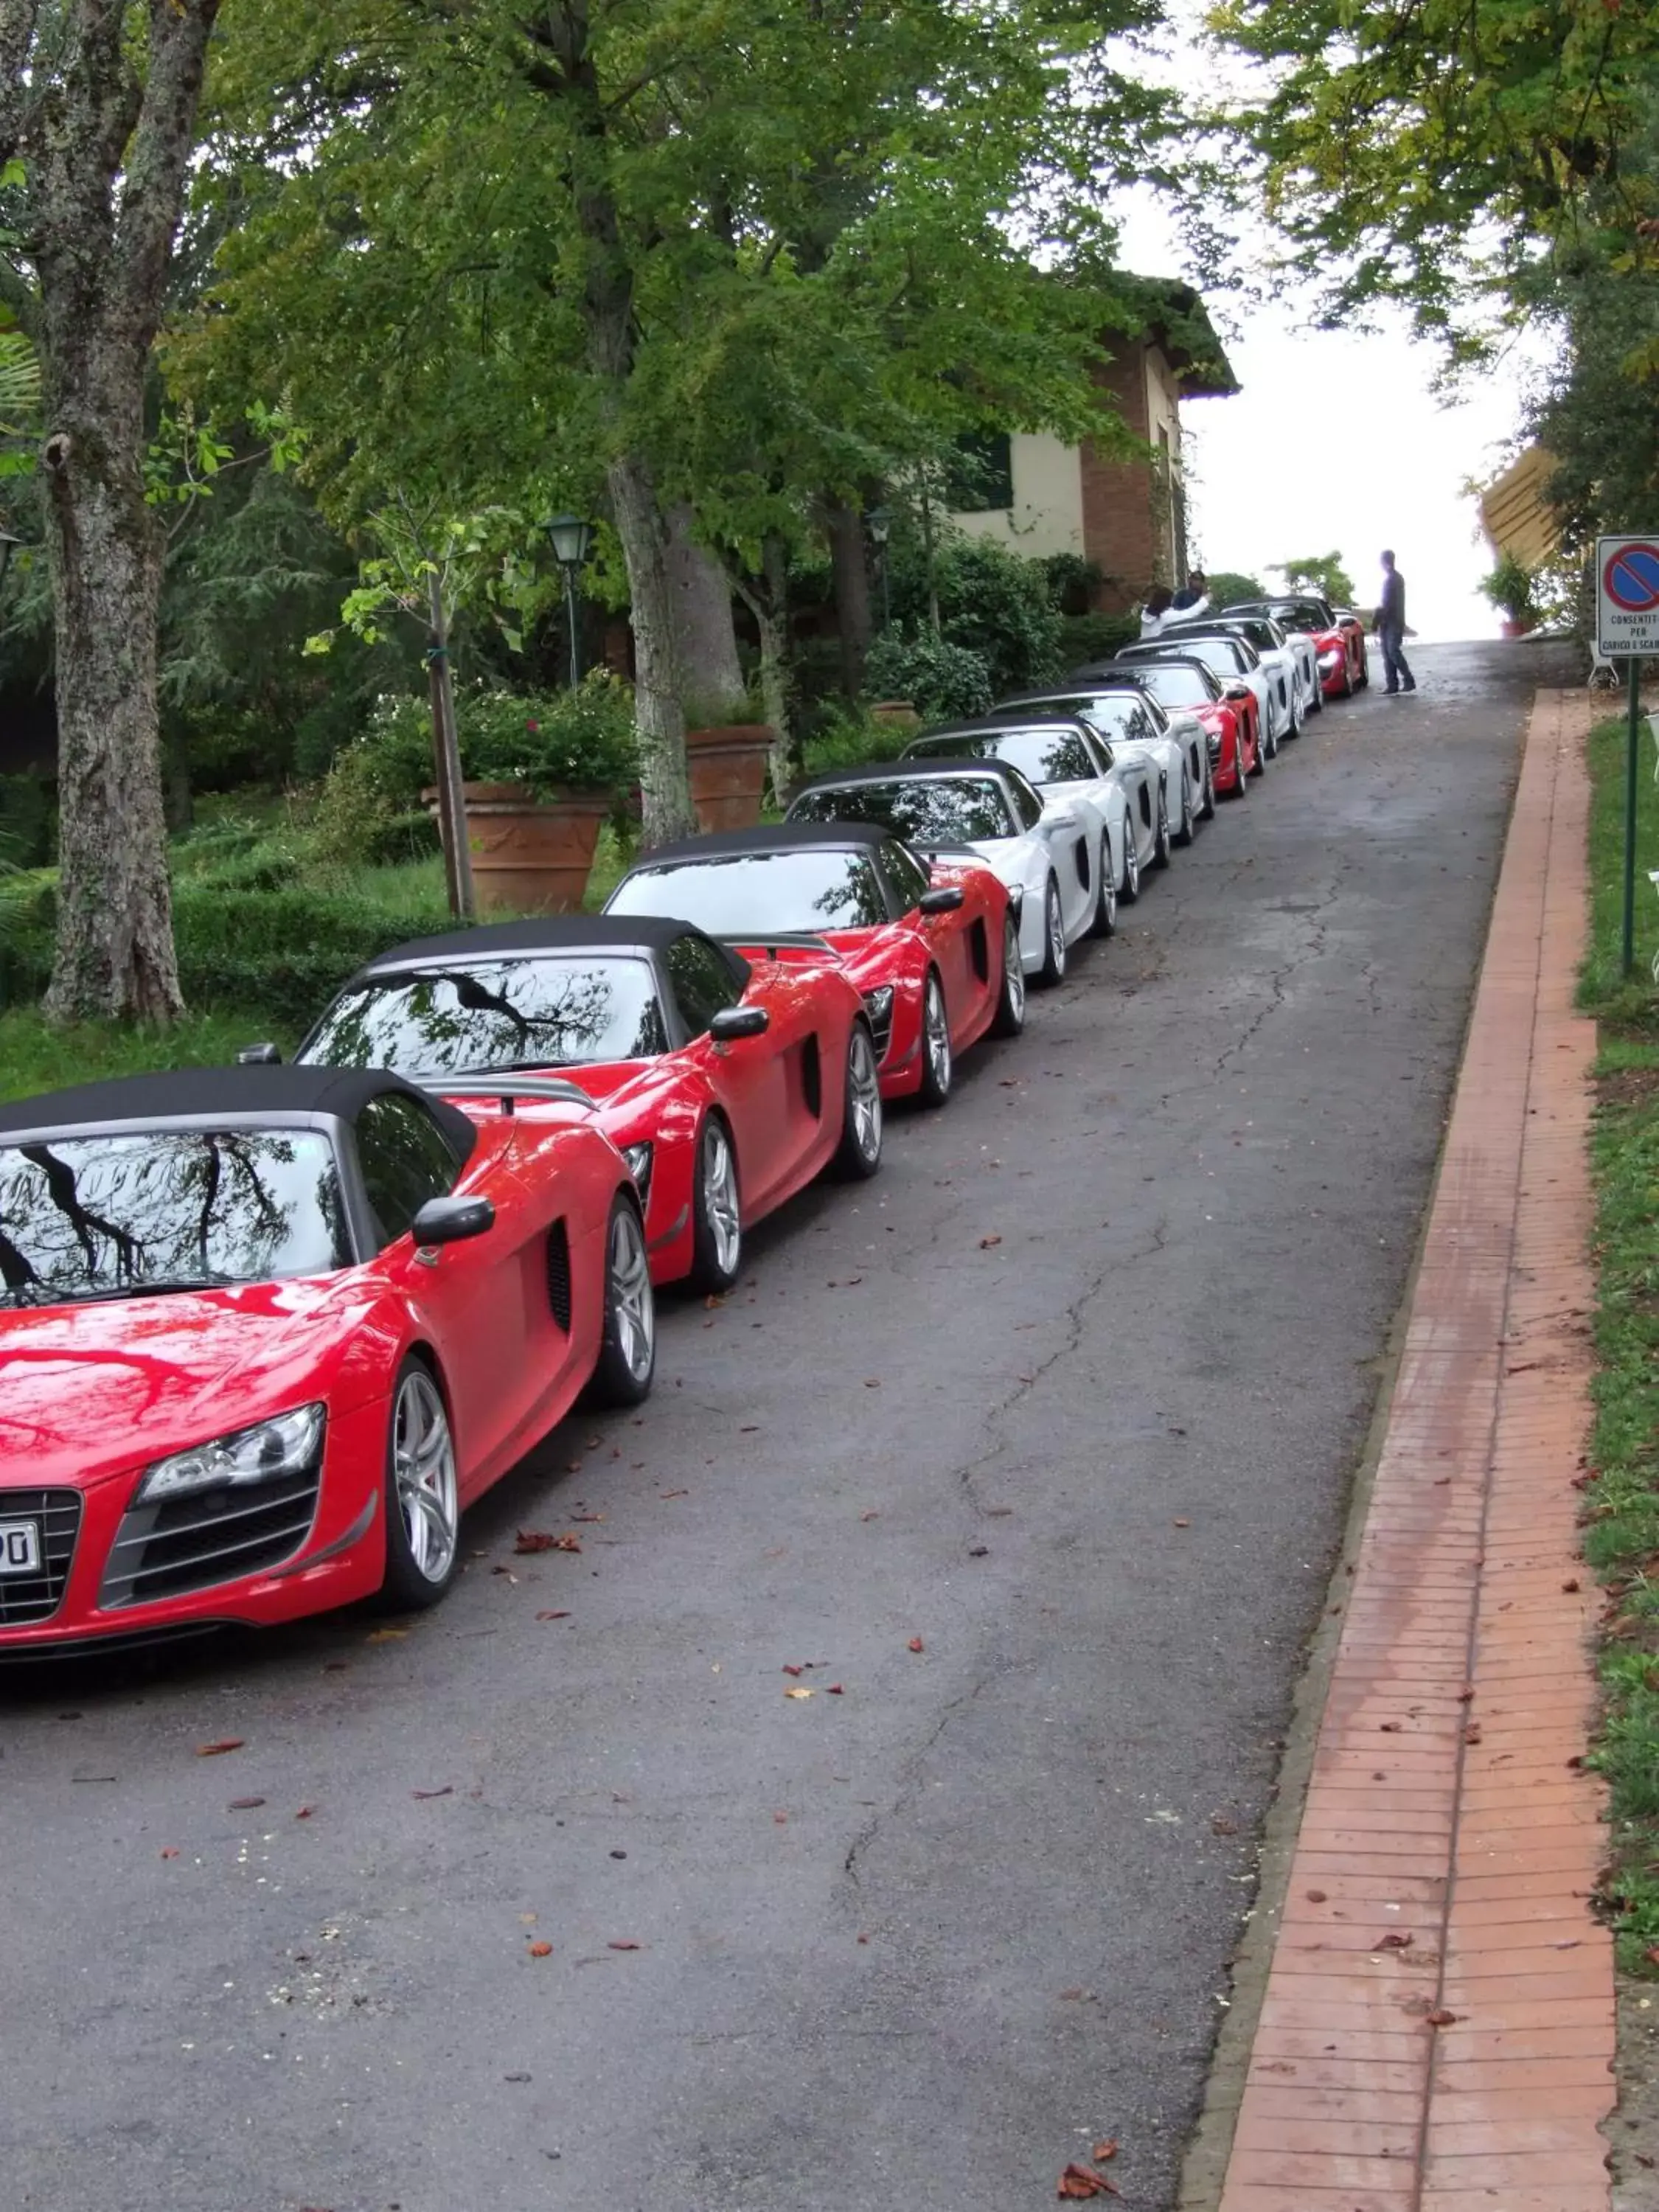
column 1438, row 2030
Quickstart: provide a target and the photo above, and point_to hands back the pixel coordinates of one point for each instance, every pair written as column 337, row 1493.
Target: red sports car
column 1339, row 638
column 265, row 1331
column 935, row 955
column 727, row 1086
column 1228, row 712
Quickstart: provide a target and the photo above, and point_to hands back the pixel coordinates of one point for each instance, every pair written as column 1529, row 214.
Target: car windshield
column 1219, row 654
column 1172, row 685
column 924, row 810
column 139, row 1213
column 1120, row 716
column 1057, row 755
column 811, row 887
column 552, row 1010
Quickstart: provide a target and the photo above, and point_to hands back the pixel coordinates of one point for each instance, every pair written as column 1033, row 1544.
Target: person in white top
column 1155, row 612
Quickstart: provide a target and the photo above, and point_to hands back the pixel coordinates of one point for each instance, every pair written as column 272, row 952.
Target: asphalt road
column 1072, row 1394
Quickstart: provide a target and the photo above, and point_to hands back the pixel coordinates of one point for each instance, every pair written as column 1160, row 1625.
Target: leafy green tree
column 660, row 259
column 1227, row 586
column 1321, row 573
column 98, row 102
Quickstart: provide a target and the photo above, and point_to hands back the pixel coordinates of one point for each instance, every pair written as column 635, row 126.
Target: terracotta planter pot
column 728, row 770
column 899, row 712
column 531, row 856
column 1512, row 628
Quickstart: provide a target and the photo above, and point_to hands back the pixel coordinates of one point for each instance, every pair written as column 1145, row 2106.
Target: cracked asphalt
column 1071, row 1395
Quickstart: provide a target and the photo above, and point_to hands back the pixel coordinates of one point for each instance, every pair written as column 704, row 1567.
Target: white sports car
column 1041, row 852
column 1276, row 661
column 1068, row 765
column 1234, row 660
column 1271, row 634
column 1173, row 743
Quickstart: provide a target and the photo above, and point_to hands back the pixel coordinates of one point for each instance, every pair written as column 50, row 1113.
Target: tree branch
column 17, row 24
column 158, row 160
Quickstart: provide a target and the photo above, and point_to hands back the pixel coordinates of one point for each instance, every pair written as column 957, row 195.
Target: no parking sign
column 1626, row 597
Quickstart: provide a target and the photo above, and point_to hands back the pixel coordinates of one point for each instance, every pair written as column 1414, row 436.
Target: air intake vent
column 558, row 1274
column 212, row 1537
column 57, row 1517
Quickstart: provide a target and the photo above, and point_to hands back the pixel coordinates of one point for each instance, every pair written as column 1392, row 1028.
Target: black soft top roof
column 765, row 837
column 905, row 771
column 238, row 1094
column 1002, row 721
column 552, row 933
column 1112, row 675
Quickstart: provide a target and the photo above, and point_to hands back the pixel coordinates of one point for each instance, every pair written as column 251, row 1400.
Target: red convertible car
column 265, row 1331
column 1183, row 685
column 726, row 1084
column 935, row 955
column 1339, row 638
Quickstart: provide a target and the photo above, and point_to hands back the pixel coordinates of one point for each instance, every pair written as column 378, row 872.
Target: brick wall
column 1120, row 499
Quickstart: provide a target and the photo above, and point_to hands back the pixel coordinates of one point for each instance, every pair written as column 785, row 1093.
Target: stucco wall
column 1047, row 515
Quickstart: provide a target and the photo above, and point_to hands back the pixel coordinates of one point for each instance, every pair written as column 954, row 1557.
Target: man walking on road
column 1390, row 627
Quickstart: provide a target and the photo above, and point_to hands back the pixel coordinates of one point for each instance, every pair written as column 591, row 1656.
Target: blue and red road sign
column 1629, row 577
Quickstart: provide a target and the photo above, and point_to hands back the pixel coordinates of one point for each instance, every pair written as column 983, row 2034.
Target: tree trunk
column 114, row 952
column 851, row 572
column 712, row 678
column 772, row 616
column 658, row 690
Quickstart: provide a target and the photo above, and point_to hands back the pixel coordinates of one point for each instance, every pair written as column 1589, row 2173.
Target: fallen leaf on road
column 515, row 2077
column 834, row 1691
column 986, row 1242
column 587, row 1517
column 305, row 1812
column 873, row 1382
column 1316, row 1897
column 218, row 1750
column 1571, row 1585
column 1443, row 2018
column 1394, row 1941
column 666, row 1494
column 979, row 1550
column 541, row 1951
column 507, row 1571
column 750, row 1429
column 171, row 1852
column 624, row 1946
column 1077, row 2181
column 564, row 1614
column 244, row 1804
column 1184, row 1524
column 794, row 1671
column 797, row 1692
column 916, row 1644
column 534, row 1539
column 1392, row 1727
column 386, row 1635
column 1466, row 1695
column 448, row 1791
column 874, row 1516
column 1472, row 1734
column 1104, row 2151
column 781, row 1819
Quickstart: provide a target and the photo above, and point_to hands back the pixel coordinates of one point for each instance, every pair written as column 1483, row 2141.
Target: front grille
column 25, row 1598
column 211, row 1536
column 558, row 1274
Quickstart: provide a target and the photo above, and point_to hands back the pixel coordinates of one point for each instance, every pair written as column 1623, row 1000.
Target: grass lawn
column 1622, row 1501
column 36, row 1057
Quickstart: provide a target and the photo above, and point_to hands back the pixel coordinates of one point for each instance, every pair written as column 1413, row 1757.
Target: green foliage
column 1621, row 1536
column 997, row 604
column 35, row 1055
column 1072, row 582
column 375, row 783
column 1321, row 573
column 847, row 738
column 942, row 681
column 1510, row 587
column 1228, row 587
column 581, row 740
column 1086, row 638
column 28, row 823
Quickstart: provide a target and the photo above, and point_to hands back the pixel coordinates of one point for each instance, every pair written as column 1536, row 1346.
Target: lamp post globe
column 573, row 541
column 879, row 521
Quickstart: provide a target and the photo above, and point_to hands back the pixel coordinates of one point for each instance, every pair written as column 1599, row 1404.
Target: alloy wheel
column 628, row 1296
column 722, row 1210
column 936, row 1037
column 1013, row 971
column 863, row 1094
column 424, row 1466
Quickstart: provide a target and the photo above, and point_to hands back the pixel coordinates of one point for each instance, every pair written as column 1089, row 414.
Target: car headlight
column 879, row 1004
column 265, row 1453
column 1213, row 742
column 1331, row 657
column 639, row 1159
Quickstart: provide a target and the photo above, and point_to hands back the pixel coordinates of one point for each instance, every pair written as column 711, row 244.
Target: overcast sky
column 1336, row 441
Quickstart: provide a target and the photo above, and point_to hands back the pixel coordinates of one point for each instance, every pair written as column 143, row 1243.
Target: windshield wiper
column 499, row 1067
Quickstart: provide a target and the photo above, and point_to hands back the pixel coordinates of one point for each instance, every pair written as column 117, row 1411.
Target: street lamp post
column 879, row 521
column 573, row 541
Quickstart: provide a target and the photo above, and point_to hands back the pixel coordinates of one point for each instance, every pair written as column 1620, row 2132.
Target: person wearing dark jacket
column 1390, row 627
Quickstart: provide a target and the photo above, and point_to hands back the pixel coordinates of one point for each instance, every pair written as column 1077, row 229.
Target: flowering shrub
column 581, row 740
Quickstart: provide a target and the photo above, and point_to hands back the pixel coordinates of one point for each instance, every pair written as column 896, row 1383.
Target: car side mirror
column 452, row 1221
column 734, row 1021
column 1237, row 692
column 944, row 898
column 259, row 1055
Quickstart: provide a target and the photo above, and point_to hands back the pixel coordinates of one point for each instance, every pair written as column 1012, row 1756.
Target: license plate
column 20, row 1547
